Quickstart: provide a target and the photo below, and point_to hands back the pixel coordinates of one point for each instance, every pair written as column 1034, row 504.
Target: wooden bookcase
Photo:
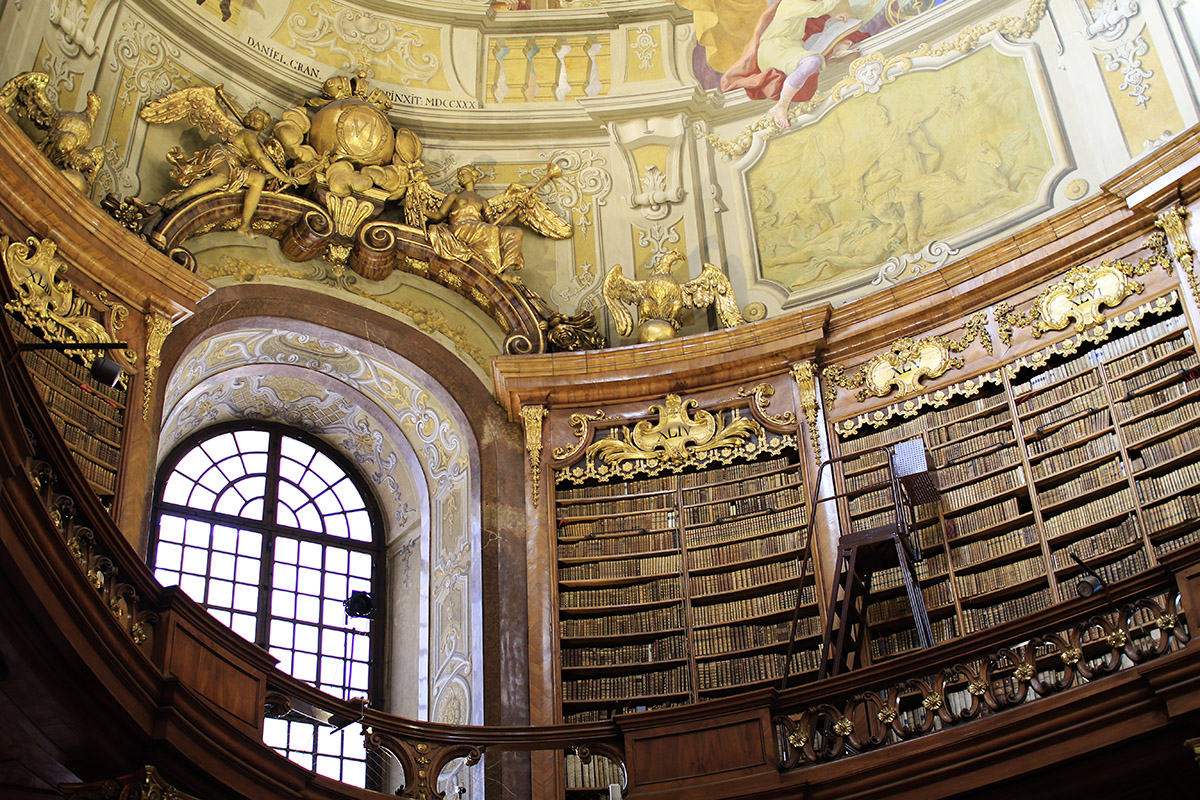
column 681, row 587
column 90, row 416
column 1092, row 449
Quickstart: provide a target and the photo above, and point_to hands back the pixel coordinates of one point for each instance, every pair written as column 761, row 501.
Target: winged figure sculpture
column 661, row 298
column 468, row 225
column 67, row 132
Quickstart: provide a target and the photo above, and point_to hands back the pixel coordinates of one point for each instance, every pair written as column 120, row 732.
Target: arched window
column 272, row 532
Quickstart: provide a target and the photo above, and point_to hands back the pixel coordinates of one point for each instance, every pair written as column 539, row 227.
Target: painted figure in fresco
column 472, row 225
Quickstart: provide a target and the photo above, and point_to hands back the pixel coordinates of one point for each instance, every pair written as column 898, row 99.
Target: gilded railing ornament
column 677, row 438
column 67, row 132
column 907, row 362
column 144, row 784
column 660, row 299
column 1081, row 294
column 49, row 303
column 579, row 423
column 805, row 374
column 532, row 416
column 157, row 329
column 1173, row 222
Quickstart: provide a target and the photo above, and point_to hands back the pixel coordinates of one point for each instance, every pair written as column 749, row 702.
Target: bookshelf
column 680, row 587
column 89, row 415
column 1091, row 449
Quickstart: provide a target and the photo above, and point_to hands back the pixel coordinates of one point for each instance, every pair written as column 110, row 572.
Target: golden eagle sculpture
column 660, row 298
column 67, row 132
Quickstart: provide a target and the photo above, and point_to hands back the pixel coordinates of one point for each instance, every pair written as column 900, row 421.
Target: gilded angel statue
column 241, row 160
column 67, row 132
column 660, row 298
column 469, row 224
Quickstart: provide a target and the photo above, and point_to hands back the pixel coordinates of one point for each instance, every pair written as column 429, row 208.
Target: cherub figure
column 240, row 161
column 472, row 225
column 660, row 298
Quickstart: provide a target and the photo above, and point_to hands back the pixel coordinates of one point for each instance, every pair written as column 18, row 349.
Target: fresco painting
column 938, row 154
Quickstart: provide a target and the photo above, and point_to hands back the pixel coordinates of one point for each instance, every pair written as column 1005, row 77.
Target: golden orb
column 353, row 129
column 655, row 330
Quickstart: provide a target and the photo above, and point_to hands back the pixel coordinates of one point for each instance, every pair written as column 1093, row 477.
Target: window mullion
column 270, row 504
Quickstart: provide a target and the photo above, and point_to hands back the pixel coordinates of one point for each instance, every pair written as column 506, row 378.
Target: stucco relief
column 436, row 435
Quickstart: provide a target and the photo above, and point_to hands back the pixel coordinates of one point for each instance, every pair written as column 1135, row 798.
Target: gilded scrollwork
column 1081, row 294
column 762, row 395
column 532, row 416
column 50, row 303
column 1173, row 222
column 157, row 329
column 907, row 362
column 144, row 784
column 805, row 374
column 579, row 423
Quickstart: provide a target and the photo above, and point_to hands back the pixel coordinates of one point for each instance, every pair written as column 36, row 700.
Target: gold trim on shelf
column 50, row 304
column 532, row 416
column 907, row 362
column 762, row 395
column 579, row 423
column 805, row 373
column 144, row 784
column 1173, row 222
column 1034, row 361
column 157, row 329
column 684, row 436
column 1080, row 295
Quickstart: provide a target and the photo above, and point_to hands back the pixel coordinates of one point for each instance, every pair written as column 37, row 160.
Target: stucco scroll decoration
column 805, row 374
column 907, row 362
column 50, row 304
column 532, row 416
column 1081, row 294
column 678, row 436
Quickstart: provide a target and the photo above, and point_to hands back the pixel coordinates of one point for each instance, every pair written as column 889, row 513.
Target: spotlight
column 359, row 604
column 1088, row 585
column 104, row 370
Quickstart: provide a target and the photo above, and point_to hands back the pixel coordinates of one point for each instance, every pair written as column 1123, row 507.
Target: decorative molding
column 805, row 374
column 1035, row 361
column 1108, row 19
column 157, row 329
column 532, row 416
column 144, row 784
column 1126, row 58
column 762, row 395
column 1082, row 292
column 579, row 423
column 1173, row 222
column 899, row 268
column 907, row 362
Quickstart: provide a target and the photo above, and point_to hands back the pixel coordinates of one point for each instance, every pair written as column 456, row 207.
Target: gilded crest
column 683, row 431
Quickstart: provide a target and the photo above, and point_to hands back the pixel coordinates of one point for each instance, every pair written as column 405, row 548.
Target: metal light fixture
column 359, row 604
column 1090, row 582
column 104, row 370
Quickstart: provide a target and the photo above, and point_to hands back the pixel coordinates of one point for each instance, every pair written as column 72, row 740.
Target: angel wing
column 199, row 104
column 27, row 92
column 619, row 291
column 421, row 200
column 710, row 287
column 530, row 210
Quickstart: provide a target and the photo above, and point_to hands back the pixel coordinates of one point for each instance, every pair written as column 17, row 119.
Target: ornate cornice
column 906, row 362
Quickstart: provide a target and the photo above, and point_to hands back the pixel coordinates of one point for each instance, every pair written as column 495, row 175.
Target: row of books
column 654, row 619
column 758, row 575
column 617, row 488
column 1143, row 379
column 753, row 668
column 1093, row 448
column 105, row 480
column 640, row 523
column 749, row 607
column 1183, row 540
column 74, row 399
column 1176, row 511
column 931, row 565
column 968, row 409
column 641, row 684
column 1047, row 378
column 972, row 584
column 1180, row 479
column 620, row 505
column 1148, row 427
column 1042, row 420
column 748, row 550
column 986, row 549
column 730, row 638
column 982, row 518
column 1167, row 450
column 724, row 491
column 871, row 501
column 732, row 472
column 1033, row 403
column 722, row 510
column 959, row 430
column 977, row 619
column 1135, row 562
column 973, row 493
column 632, row 594
column 1115, row 349
column 597, row 773
column 69, row 366
column 893, row 608
column 1069, row 433
column 907, row 639
column 82, row 441
column 1107, row 541
column 1144, row 403
column 988, row 462
column 667, row 648
column 1104, row 507
column 1107, row 473
column 621, row 567
column 787, row 519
